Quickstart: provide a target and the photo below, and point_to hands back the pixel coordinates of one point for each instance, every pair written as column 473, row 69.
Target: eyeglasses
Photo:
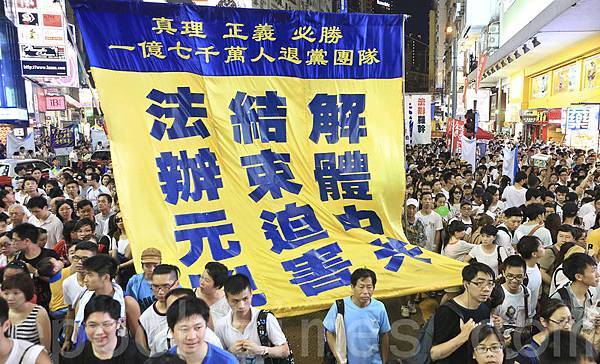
column 95, row 325
column 164, row 287
column 484, row 349
column 482, row 284
column 78, row 258
column 517, row 277
column 563, row 322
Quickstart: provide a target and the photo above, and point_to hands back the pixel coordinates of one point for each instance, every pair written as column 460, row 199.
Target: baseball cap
column 151, row 255
column 413, row 202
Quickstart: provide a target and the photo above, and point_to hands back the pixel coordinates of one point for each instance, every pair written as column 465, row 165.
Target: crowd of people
column 70, row 292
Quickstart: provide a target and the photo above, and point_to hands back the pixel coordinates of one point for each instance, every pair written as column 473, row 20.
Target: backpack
column 263, row 335
column 423, row 354
column 556, row 252
column 328, row 357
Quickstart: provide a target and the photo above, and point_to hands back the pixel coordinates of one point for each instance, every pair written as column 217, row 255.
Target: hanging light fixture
column 535, row 42
column 517, row 55
column 525, row 48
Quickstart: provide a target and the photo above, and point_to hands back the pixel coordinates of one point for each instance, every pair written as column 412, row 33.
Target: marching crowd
column 70, row 292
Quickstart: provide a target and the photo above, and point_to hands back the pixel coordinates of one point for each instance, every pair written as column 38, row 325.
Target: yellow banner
column 294, row 181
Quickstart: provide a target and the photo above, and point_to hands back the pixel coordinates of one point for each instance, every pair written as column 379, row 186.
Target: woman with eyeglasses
column 488, row 345
column 102, row 320
column 554, row 315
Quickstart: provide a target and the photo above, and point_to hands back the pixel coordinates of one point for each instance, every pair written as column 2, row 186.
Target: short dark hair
column 22, row 282
column 565, row 228
column 535, row 210
column 567, row 347
column 470, row 271
column 45, row 267
column 102, row 264
column 236, row 283
column 84, row 203
column 166, row 358
column 456, row 226
column 95, row 176
column 520, row 176
column 83, row 222
column 576, row 264
column 108, row 197
column 29, row 178
column 513, row 211
column 528, row 245
column 104, row 304
column 562, row 189
column 218, row 272
column 514, row 261
column 180, row 291
column 87, row 245
column 362, row 273
column 532, row 193
column 490, row 230
column 186, row 307
column 550, row 306
column 27, row 231
column 71, row 181
column 166, row 269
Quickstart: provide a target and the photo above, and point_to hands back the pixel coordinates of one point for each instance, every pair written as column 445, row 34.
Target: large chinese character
column 270, row 172
column 258, row 117
column 182, row 52
column 316, row 57
column 152, row 49
column 289, row 54
column 235, row 31
column 343, row 57
column 351, row 219
column 368, row 56
column 351, row 172
column 337, row 120
column 330, row 35
column 179, row 107
column 319, row 270
column 263, row 54
column 298, row 224
column 193, row 29
column 235, row 53
column 263, row 32
column 304, row 32
column 212, row 233
column 207, row 52
column 396, row 250
column 177, row 174
column 164, row 25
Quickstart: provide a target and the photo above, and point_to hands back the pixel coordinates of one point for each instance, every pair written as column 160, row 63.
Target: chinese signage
column 291, row 179
column 566, row 79
column 42, row 37
column 582, row 126
column 62, row 138
column 591, row 72
column 417, row 116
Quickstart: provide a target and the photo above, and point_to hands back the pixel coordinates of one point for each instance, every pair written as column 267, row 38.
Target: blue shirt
column 214, row 355
column 140, row 289
column 363, row 327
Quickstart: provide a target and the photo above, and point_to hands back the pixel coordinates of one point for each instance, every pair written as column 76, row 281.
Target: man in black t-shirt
column 451, row 330
column 25, row 237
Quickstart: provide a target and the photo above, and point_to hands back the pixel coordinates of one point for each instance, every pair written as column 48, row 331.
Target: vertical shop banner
column 266, row 140
column 481, row 63
column 419, row 115
column 409, row 119
column 455, row 129
column 42, row 37
column 582, row 126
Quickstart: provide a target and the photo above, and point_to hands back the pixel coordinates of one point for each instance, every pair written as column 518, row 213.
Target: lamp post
column 450, row 30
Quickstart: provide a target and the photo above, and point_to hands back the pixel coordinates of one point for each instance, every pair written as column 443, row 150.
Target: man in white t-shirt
column 535, row 225
column 532, row 250
column 238, row 330
column 514, row 196
column 100, row 272
column 590, row 218
column 506, row 231
column 432, row 222
column 514, row 311
column 94, row 188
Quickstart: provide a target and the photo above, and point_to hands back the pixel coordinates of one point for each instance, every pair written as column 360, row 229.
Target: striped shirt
column 27, row 330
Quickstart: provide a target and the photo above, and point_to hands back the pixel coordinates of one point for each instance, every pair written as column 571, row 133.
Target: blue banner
column 62, row 138
column 240, row 42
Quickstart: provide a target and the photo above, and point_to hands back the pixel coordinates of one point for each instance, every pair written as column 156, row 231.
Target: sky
column 419, row 11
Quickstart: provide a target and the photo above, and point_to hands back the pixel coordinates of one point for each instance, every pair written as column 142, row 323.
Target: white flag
column 469, row 151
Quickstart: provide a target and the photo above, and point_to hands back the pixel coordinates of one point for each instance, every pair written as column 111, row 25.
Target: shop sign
column 55, row 103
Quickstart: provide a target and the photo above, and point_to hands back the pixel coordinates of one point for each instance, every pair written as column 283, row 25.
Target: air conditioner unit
column 493, row 41
column 494, row 27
